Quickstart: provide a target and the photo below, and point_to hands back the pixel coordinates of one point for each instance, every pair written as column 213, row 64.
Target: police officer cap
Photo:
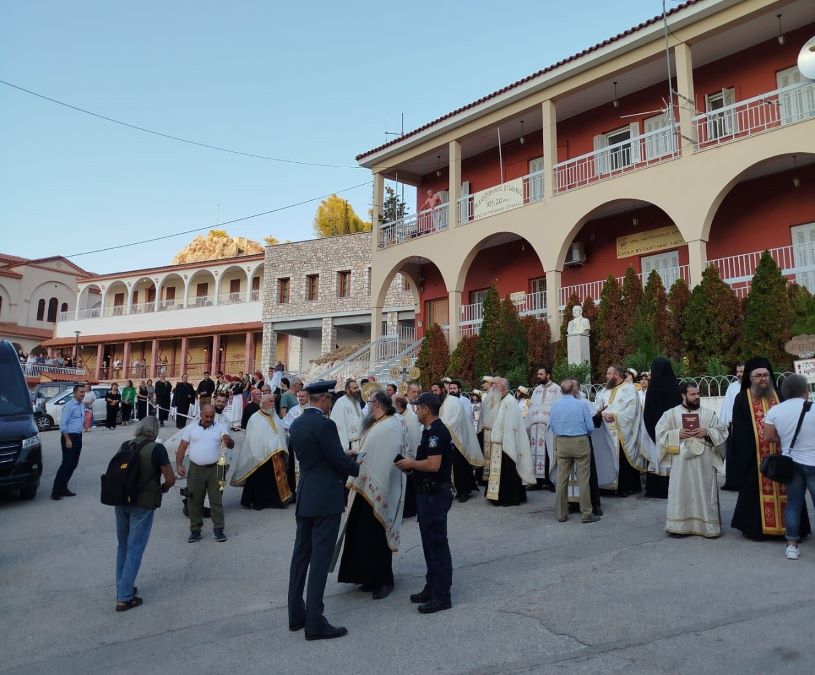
column 429, row 399
column 320, row 386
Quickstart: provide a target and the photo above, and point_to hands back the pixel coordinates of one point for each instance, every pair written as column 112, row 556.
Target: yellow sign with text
column 649, row 241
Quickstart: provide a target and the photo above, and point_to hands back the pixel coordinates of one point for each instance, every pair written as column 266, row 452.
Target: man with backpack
column 133, row 484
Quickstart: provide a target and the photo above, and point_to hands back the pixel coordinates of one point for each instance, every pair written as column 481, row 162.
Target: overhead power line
column 216, row 225
column 170, row 136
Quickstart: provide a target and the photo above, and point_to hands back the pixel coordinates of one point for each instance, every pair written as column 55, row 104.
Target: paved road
column 530, row 595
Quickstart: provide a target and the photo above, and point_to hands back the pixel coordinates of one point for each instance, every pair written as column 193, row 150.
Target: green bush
column 579, row 371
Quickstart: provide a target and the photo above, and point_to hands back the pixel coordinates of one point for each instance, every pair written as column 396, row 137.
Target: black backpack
column 120, row 483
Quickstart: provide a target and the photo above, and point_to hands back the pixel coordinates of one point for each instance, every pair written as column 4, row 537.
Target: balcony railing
column 142, row 307
column 637, row 153
column 797, row 263
column 34, row 369
column 412, row 226
column 254, row 296
column 771, row 110
column 593, row 289
column 169, row 305
column 231, row 298
column 471, row 316
column 500, row 198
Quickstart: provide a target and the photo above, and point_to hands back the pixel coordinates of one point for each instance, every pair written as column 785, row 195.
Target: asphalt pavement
column 530, row 595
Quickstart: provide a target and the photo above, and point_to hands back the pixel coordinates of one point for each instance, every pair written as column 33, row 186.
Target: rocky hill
column 217, row 244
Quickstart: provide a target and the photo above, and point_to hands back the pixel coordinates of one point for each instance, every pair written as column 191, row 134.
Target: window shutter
column 464, row 204
column 635, row 142
column 600, row 157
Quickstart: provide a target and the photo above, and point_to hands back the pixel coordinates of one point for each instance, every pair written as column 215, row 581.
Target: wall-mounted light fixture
column 521, row 139
column 615, row 102
column 796, row 179
column 780, row 38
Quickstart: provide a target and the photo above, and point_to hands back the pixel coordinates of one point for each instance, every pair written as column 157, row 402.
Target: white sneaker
column 791, row 552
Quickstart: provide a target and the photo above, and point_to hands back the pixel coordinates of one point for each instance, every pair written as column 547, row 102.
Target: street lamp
column 76, row 344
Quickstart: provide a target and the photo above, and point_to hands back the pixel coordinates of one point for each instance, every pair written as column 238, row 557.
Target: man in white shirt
column 296, row 411
column 780, row 423
column 207, row 473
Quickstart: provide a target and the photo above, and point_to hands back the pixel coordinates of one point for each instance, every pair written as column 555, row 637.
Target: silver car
column 53, row 407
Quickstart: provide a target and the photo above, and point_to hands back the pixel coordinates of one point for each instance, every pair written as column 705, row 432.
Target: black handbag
column 780, row 468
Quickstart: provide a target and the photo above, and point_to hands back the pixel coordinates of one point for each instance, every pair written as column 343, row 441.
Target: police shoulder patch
column 433, row 442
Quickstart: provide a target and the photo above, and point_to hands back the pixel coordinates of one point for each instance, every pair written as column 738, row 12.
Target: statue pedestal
column 577, row 349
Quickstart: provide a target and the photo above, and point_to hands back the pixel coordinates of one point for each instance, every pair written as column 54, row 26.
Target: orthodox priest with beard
column 618, row 406
column 760, row 506
column 486, row 418
column 466, row 452
column 511, row 459
column 694, row 451
column 347, row 415
column 545, row 395
column 376, row 502
column 260, row 466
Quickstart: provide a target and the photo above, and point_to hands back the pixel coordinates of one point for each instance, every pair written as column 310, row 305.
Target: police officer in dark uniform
column 434, row 497
column 324, row 467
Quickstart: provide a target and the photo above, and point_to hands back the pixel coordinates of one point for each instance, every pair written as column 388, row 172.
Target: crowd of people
column 400, row 452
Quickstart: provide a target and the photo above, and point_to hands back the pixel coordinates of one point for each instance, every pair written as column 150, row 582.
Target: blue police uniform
column 324, row 468
column 434, row 497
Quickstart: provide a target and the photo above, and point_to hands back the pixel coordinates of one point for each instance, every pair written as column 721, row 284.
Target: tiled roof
column 526, row 79
column 221, row 329
column 25, row 331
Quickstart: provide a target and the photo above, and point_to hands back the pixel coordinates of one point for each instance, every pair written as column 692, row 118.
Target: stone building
column 317, row 296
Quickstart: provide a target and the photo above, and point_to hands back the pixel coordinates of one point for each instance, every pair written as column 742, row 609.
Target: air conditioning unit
column 576, row 255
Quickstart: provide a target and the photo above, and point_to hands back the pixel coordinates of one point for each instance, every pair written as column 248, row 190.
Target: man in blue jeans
column 434, row 497
column 71, row 426
column 134, row 522
column 780, row 424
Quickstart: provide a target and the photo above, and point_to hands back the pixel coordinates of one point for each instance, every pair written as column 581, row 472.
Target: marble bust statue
column 579, row 325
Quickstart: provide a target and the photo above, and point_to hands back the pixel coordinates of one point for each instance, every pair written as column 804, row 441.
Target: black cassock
column 260, row 489
column 163, row 398
column 747, row 514
column 366, row 558
column 183, row 396
column 511, row 491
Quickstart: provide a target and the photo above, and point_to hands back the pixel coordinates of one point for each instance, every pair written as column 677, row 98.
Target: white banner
column 498, row 199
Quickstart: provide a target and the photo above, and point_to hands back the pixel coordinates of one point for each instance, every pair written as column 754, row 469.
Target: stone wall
column 326, row 258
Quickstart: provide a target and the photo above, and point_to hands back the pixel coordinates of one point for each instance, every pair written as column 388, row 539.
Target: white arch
column 116, row 286
column 199, row 276
column 220, row 284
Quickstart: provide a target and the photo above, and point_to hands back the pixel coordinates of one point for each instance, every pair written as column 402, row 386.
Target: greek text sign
column 805, row 367
column 649, row 241
column 498, row 199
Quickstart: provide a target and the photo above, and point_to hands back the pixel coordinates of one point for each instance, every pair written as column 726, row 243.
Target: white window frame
column 536, row 182
column 622, row 156
column 798, row 104
column 663, row 141
column 802, row 238
column 668, row 273
column 725, row 123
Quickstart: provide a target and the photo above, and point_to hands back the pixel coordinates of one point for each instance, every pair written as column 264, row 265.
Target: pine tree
column 768, row 315
column 612, row 323
column 488, row 345
column 673, row 342
column 434, row 356
column 462, row 361
column 711, row 322
column 539, row 347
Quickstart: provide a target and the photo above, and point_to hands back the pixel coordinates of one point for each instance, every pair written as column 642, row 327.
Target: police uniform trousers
column 432, row 515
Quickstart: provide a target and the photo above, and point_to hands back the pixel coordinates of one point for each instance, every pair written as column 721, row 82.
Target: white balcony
column 501, row 198
column 413, row 226
column 797, row 263
column 768, row 111
column 593, row 289
column 529, row 304
column 640, row 152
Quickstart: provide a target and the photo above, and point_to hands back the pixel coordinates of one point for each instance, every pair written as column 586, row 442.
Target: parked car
column 53, row 407
column 20, row 447
column 47, row 390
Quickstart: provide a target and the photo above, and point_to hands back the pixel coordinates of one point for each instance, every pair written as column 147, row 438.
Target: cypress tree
column 673, row 342
column 434, row 356
column 511, row 339
column 768, row 315
column 711, row 322
column 632, row 299
column 462, row 361
column 488, row 345
column 612, row 323
column 539, row 348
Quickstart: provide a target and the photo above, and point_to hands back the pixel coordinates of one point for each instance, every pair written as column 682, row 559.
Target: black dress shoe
column 368, row 588
column 597, row 512
column 294, row 627
column 592, row 519
column 422, row 597
column 55, row 496
column 327, row 632
column 434, row 606
column 463, row 498
column 382, row 592
column 67, row 493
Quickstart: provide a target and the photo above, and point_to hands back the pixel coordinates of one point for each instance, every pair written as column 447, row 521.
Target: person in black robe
column 142, row 395
column 662, row 395
column 205, row 390
column 183, row 398
column 251, row 408
column 747, row 514
column 164, row 392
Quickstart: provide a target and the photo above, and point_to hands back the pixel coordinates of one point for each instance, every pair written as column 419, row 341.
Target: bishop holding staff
column 691, row 439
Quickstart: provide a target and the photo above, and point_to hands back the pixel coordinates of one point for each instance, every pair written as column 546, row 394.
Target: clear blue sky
column 313, row 81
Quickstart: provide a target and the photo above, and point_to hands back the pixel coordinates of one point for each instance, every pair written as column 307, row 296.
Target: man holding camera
column 434, row 496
